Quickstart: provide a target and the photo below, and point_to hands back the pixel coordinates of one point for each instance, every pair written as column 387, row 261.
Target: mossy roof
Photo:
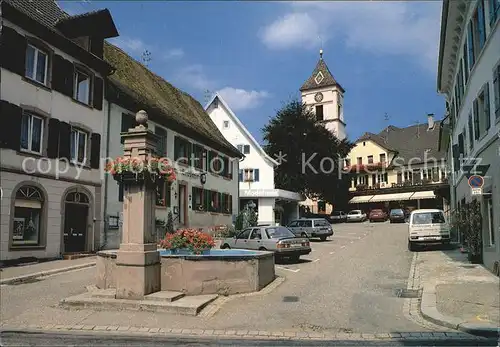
column 172, row 104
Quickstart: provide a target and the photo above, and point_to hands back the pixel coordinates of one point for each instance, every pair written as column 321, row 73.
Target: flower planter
column 128, row 177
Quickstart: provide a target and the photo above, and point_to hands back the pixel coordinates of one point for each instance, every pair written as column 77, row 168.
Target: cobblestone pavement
column 345, row 289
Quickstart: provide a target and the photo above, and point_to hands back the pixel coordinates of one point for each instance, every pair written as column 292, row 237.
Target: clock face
column 318, row 97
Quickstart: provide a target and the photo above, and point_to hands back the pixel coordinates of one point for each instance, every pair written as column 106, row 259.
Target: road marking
column 332, row 252
column 342, row 247
column 287, row 269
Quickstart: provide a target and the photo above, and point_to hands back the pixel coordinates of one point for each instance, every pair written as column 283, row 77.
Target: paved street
column 347, row 284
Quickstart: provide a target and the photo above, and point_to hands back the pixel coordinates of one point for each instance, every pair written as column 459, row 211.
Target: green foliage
column 467, row 221
column 169, row 227
column 252, row 217
column 294, row 131
column 238, row 224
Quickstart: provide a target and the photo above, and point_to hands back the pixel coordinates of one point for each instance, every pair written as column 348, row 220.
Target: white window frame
column 35, row 63
column 30, row 133
column 78, row 132
column 490, row 222
column 75, row 87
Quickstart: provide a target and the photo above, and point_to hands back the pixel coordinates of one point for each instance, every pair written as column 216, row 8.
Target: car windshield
column 398, row 211
column 278, row 232
column 376, row 211
column 321, row 223
column 428, row 218
column 355, row 212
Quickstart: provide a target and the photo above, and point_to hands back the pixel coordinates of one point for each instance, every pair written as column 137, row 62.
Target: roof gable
column 321, row 77
column 243, row 129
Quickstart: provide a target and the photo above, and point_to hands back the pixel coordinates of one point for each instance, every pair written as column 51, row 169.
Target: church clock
column 318, row 97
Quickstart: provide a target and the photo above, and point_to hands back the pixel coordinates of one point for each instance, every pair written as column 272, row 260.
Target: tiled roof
column 326, row 81
column 415, row 141
column 46, row 12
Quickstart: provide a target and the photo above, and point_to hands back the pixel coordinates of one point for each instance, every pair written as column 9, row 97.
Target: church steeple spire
column 321, row 54
column 321, row 76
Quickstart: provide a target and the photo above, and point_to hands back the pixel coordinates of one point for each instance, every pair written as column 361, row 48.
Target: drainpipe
column 106, row 177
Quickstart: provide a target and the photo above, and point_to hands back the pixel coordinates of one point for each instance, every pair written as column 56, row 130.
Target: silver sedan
column 277, row 239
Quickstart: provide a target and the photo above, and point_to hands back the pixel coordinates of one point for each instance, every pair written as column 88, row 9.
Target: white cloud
column 241, row 99
column 129, row 44
column 174, row 53
column 194, row 76
column 385, row 28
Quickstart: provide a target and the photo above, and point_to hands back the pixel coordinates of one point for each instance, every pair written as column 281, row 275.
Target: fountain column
column 138, row 260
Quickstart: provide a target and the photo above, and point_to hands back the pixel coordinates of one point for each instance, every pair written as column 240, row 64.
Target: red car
column 377, row 215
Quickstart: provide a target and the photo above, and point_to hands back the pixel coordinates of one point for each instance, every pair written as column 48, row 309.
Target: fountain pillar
column 138, row 260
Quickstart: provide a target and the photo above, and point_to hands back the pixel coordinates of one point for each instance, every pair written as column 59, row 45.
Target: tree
column 312, row 156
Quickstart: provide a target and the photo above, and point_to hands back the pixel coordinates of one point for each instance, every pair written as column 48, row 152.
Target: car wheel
column 225, row 246
column 322, row 238
column 371, row 221
column 411, row 246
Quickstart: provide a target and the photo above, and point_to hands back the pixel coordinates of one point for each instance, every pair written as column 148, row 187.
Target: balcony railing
column 365, row 167
column 423, row 182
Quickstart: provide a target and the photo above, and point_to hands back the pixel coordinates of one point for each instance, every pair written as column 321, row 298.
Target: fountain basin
column 219, row 271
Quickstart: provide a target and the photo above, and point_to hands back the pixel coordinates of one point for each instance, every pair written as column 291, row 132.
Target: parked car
column 277, row 239
column 311, row 227
column 377, row 215
column 427, row 226
column 397, row 215
column 338, row 217
column 356, row 216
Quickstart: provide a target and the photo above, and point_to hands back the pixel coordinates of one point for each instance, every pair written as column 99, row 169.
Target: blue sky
column 258, row 54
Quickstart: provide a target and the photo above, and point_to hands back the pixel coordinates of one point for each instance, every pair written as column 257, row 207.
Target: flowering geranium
column 194, row 240
column 158, row 167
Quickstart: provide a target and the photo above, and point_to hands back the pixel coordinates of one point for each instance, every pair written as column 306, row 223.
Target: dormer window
column 36, row 64
column 82, row 87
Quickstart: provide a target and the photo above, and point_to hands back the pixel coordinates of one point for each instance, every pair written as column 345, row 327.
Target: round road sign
column 476, row 181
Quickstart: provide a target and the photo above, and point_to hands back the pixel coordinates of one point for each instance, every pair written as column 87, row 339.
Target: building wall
column 366, row 148
column 332, row 97
column 51, row 174
column 266, row 210
column 253, row 160
column 196, row 219
column 486, row 148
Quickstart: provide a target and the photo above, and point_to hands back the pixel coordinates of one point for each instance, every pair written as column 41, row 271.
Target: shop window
column 28, row 207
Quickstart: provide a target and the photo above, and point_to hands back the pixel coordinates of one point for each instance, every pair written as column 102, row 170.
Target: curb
column 23, row 278
column 428, row 308
column 227, row 334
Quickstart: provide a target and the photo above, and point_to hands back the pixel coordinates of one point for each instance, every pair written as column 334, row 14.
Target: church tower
column 325, row 96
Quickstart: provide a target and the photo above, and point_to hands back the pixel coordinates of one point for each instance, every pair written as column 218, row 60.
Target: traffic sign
column 476, row 181
column 476, row 191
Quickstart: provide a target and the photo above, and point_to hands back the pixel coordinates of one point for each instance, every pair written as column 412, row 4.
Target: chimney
column 430, row 121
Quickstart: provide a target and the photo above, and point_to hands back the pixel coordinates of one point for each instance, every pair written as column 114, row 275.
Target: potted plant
column 187, row 241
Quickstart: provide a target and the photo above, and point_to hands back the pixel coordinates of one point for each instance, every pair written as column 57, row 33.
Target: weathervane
column 146, row 57
column 321, row 47
column 207, row 95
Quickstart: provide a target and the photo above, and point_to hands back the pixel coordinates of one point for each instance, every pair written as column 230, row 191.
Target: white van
column 427, row 226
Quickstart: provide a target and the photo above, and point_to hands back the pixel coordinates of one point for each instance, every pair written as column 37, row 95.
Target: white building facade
column 256, row 170
column 205, row 192
column 469, row 77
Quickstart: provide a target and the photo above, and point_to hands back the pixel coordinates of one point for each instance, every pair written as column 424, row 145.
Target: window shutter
column 64, row 140
column 221, row 206
column 476, row 120
column 13, row 45
column 53, row 140
column 10, row 131
column 256, row 175
column 240, row 176
column 230, row 203
column 487, row 115
column 240, row 148
column 98, row 93
column 63, row 73
column 95, row 150
column 456, row 158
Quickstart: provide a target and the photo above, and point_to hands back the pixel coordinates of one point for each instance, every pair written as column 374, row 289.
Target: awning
column 428, row 194
column 391, row 197
column 360, row 199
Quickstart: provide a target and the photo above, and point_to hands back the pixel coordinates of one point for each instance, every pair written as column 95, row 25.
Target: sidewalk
column 457, row 294
column 19, row 273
